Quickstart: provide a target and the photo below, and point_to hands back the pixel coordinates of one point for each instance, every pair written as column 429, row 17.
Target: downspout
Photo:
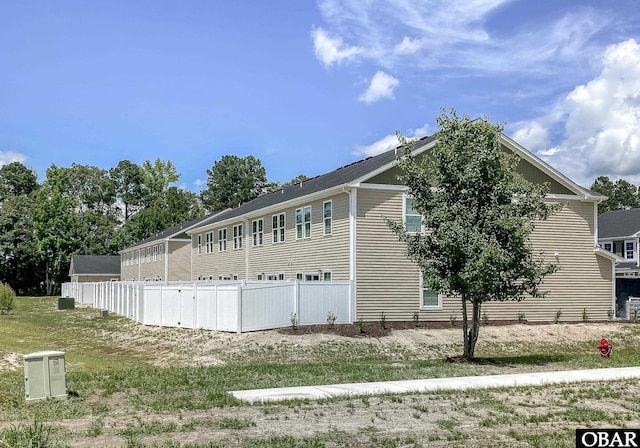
column 353, row 217
column 166, row 260
column 246, row 247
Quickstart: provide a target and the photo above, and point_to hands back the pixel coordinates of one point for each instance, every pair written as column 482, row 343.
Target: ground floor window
column 429, row 299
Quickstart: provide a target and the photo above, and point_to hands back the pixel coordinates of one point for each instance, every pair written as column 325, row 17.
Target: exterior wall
column 387, row 281
column 136, row 265
column 326, row 253
column 83, row 278
column 179, row 259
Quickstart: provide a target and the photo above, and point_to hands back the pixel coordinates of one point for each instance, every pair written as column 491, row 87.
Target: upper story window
column 237, row 236
column 256, row 232
column 608, row 246
column 303, row 222
column 200, row 244
column 327, row 214
column 155, row 253
column 277, row 225
column 630, row 250
column 208, row 242
column 222, row 240
column 410, row 217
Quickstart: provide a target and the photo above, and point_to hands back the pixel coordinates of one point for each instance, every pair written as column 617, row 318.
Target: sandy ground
column 183, row 347
column 411, row 420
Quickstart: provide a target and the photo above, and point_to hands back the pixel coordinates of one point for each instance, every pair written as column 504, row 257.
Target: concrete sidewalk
column 431, row 384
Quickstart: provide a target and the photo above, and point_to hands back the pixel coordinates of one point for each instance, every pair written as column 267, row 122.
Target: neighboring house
column 94, row 268
column 333, row 227
column 163, row 256
column 619, row 233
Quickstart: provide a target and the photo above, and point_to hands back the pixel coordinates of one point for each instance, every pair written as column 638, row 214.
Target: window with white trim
column 410, row 217
column 257, row 232
column 280, row 276
column 303, row 222
column 237, row 236
column 311, row 276
column 200, row 244
column 208, row 242
column 155, row 253
column 299, row 276
column 160, row 251
column 327, row 216
column 630, row 250
column 277, row 226
column 222, row 240
column 272, row 277
column 260, row 277
column 429, row 299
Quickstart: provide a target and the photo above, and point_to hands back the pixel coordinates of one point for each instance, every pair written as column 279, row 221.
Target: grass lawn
column 121, row 399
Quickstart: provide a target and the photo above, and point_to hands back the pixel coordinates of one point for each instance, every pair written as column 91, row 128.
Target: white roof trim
column 606, row 254
column 546, row 168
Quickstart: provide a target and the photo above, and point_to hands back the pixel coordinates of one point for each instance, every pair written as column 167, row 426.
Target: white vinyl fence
column 224, row 306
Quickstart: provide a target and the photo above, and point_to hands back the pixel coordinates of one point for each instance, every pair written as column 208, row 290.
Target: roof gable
column 382, row 166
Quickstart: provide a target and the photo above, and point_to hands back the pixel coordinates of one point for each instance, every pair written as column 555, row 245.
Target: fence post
column 239, row 302
column 296, row 301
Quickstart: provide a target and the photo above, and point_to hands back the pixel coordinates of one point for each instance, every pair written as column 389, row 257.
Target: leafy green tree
column 157, row 178
column 233, row 181
column 479, row 214
column 296, row 180
column 173, row 207
column 16, row 179
column 21, row 265
column 129, row 184
column 621, row 194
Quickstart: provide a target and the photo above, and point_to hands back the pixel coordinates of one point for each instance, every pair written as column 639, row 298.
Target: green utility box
column 66, row 303
column 45, row 376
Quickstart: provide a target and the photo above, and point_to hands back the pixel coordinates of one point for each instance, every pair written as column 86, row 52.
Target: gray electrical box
column 45, row 376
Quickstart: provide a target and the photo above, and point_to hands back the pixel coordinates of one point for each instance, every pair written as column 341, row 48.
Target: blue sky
column 310, row 86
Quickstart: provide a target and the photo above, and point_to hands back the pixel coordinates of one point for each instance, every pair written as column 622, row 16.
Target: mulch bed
column 375, row 330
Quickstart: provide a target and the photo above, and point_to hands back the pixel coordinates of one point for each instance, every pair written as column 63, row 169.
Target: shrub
column 585, row 315
column 416, row 319
column 331, row 319
column 7, row 297
column 383, row 320
column 361, row 324
column 556, row 319
column 293, row 320
column 522, row 317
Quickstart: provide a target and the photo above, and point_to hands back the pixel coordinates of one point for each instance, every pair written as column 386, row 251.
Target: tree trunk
column 471, row 334
column 465, row 327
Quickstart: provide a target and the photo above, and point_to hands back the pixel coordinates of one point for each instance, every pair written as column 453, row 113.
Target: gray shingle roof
column 341, row 176
column 619, row 223
column 95, row 264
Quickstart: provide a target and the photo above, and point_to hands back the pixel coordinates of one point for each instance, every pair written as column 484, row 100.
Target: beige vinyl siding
column 228, row 263
column 534, row 175
column 129, row 272
column 152, row 270
column 327, row 253
column 179, row 257
column 584, row 280
column 387, row 281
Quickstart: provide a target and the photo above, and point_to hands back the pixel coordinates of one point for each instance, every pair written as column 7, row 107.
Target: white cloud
column 434, row 34
column 601, row 120
column 381, row 86
column 199, row 182
column 330, row 50
column 389, row 142
column 531, row 134
column 408, row 46
column 7, row 157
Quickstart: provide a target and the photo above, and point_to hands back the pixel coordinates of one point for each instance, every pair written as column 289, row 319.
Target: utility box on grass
column 66, row 303
column 45, row 376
